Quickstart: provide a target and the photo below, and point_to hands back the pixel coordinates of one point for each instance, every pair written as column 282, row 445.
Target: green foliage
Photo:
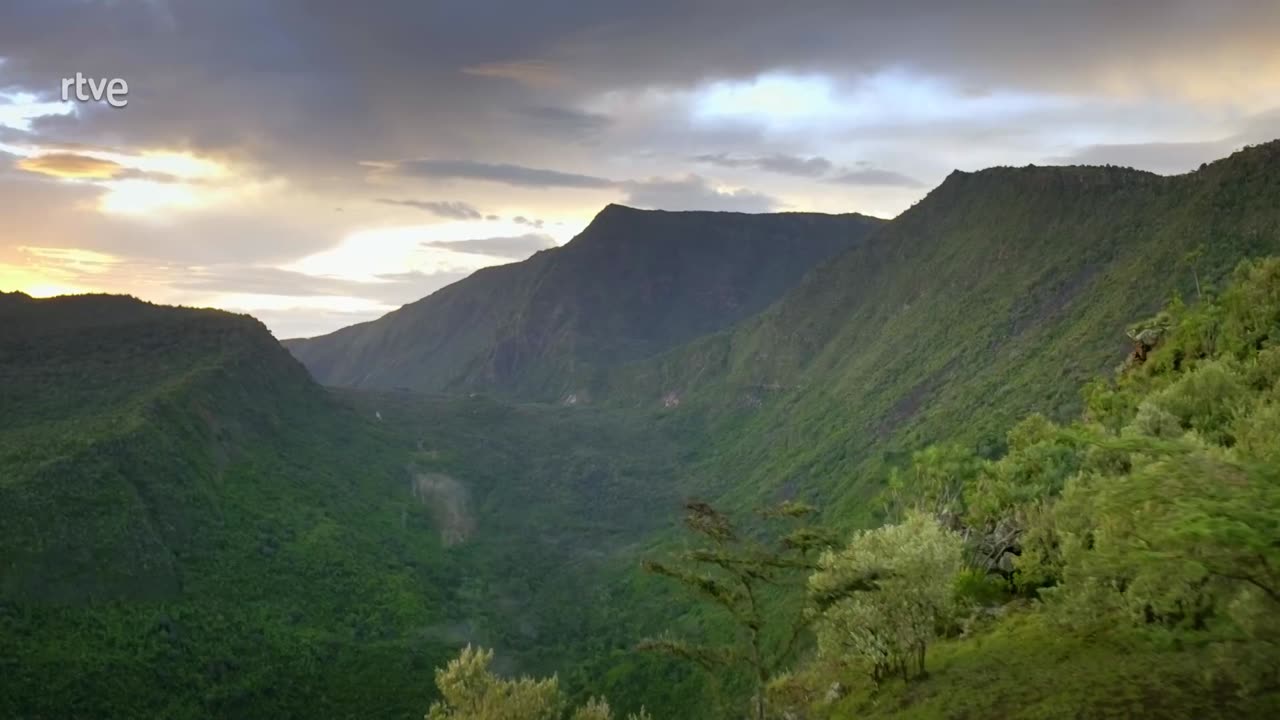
column 935, row 480
column 748, row 578
column 193, row 529
column 1025, row 666
column 192, row 525
column 470, row 691
column 1175, row 520
column 997, row 296
column 1149, row 531
column 909, row 571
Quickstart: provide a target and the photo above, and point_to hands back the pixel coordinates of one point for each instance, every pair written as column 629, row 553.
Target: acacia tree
column 470, row 691
column 913, row 566
column 747, row 576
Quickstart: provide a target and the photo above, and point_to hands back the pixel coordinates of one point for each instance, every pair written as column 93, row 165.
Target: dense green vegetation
column 1144, row 540
column 472, row 692
column 634, row 283
column 191, row 527
column 998, row 295
column 1124, row 565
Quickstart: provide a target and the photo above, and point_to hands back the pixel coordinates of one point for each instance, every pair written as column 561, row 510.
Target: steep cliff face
column 633, row 284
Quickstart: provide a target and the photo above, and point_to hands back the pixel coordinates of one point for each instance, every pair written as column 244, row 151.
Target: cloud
column 69, row 165
column 236, row 278
column 533, row 73
column 507, row 174
column 1175, row 157
column 1157, row 157
column 531, row 222
column 778, row 163
column 694, row 192
column 518, row 247
column 815, row 167
column 691, row 192
column 579, row 99
column 876, row 177
column 563, row 121
column 452, row 209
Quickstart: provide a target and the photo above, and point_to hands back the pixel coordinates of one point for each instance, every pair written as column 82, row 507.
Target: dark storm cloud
column 285, row 75
column 452, row 209
column 504, row 173
column 876, row 177
column 518, row 247
column 810, row 167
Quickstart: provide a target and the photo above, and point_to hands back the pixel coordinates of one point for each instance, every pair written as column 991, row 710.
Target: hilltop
column 999, row 294
column 634, row 283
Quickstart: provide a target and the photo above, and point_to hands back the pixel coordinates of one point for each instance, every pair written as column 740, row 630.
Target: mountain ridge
column 991, row 298
column 632, row 283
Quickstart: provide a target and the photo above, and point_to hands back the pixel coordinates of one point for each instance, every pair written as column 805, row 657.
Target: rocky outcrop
column 992, row 547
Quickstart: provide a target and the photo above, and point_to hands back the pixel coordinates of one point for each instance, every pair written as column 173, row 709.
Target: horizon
column 1234, row 151
column 337, row 166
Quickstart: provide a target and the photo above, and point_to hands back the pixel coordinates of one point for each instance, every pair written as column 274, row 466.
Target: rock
column 1005, row 563
column 835, row 692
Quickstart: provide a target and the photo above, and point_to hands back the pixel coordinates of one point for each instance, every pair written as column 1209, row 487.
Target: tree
column 935, row 481
column 1192, row 260
column 889, row 589
column 748, row 578
column 471, row 692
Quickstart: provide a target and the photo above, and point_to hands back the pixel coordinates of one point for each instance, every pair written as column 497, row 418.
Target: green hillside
column 193, row 528
column 632, row 284
column 999, row 294
column 1141, row 544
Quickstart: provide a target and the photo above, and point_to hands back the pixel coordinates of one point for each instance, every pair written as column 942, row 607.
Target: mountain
column 999, row 294
column 193, row 528
column 634, row 283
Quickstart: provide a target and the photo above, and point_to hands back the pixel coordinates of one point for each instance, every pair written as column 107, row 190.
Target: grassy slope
column 997, row 295
column 1027, row 668
column 632, row 284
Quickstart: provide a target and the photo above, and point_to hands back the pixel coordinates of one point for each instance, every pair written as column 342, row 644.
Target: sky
column 321, row 162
